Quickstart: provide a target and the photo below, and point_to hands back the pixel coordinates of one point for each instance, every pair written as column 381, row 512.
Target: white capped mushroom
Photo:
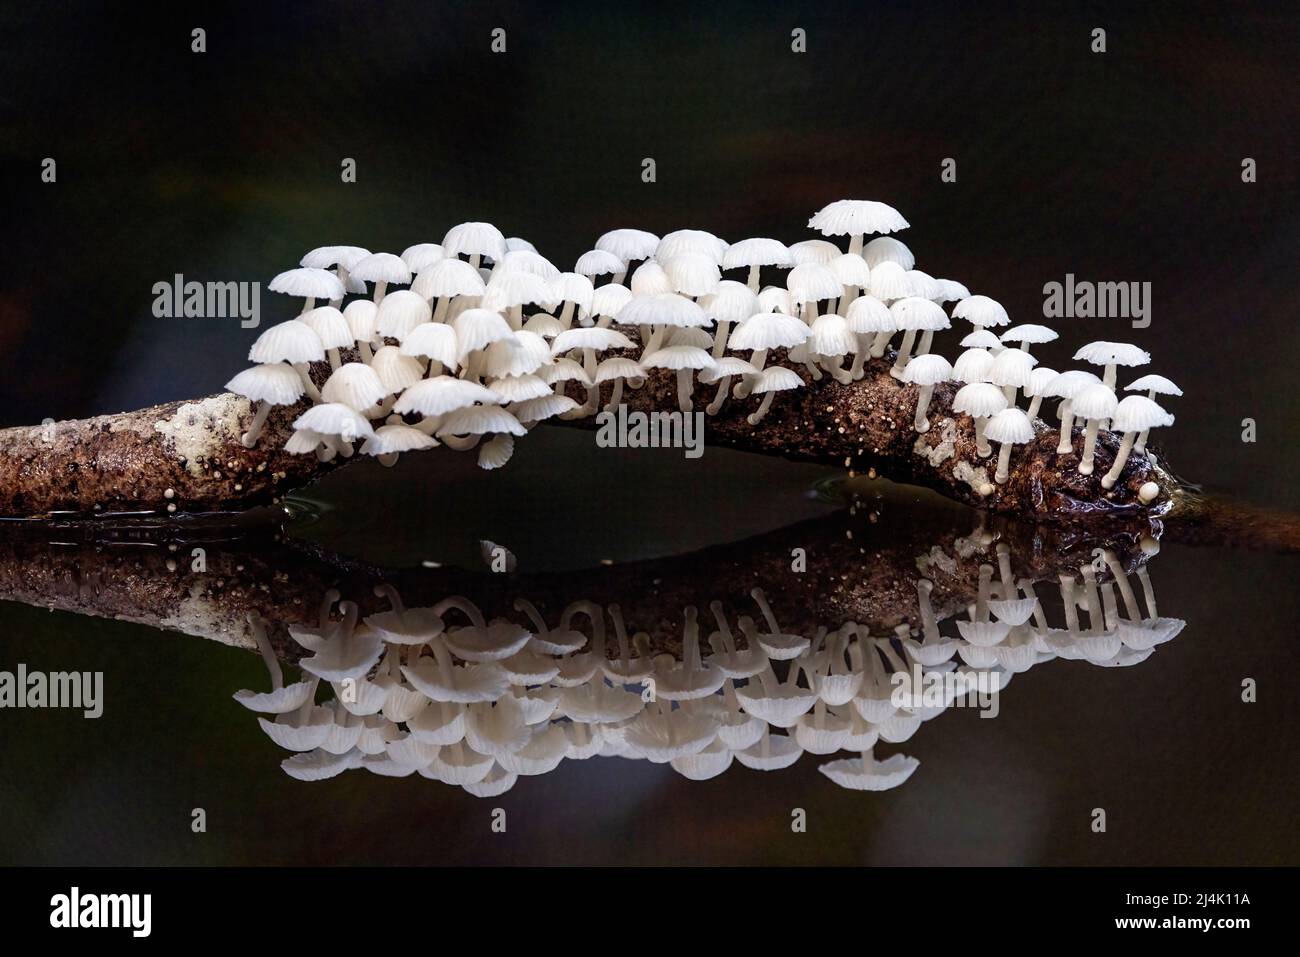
column 1093, row 403
column 1133, row 414
column 926, row 371
column 1009, row 427
column 269, row 384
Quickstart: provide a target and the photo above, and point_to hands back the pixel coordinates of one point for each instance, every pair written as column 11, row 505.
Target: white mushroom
column 1066, row 386
column 1009, row 427
column 310, row 284
column 884, row 249
column 915, row 314
column 475, row 240
column 1110, row 355
column 1093, row 403
column 1029, row 334
column 762, row 332
column 980, row 400
column 981, row 312
column 381, row 269
column 770, row 381
column 684, row 360
column 926, row 371
column 1133, row 414
column 856, row 218
column 292, row 342
column 268, row 385
column 753, row 254
column 1153, row 385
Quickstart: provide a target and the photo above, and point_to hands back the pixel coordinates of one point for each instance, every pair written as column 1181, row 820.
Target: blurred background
column 225, row 165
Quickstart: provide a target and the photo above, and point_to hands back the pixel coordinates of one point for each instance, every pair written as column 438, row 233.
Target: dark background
column 1124, row 166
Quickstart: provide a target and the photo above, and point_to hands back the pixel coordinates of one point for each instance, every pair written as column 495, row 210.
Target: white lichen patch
column 199, row 616
column 937, row 558
column 975, row 477
column 946, row 449
column 199, row 429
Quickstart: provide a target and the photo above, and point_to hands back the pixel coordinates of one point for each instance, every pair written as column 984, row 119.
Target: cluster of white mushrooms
column 484, row 341
column 446, row 694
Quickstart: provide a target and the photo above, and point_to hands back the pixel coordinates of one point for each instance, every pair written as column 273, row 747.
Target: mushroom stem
column 308, row 386
column 685, row 386
column 927, row 339
column 1034, row 404
column 333, row 355
column 308, row 305
column 752, row 279
column 982, row 447
column 1096, row 621
column 440, row 312
column 1071, row 603
column 929, row 624
column 363, row 347
column 566, row 315
column 904, row 351
column 461, row 443
column 1121, row 457
column 860, row 356
column 1125, row 588
column 757, row 416
column 1109, row 376
column 656, row 339
column 757, row 358
column 920, row 422
column 1148, row 593
column 1065, row 446
column 982, row 594
column 249, row 438
column 1004, row 463
column 381, row 287
column 615, row 396
column 724, row 387
column 268, row 653
column 880, row 343
column 1089, row 446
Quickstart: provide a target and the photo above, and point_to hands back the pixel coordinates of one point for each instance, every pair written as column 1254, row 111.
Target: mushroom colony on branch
column 489, row 339
column 451, row 695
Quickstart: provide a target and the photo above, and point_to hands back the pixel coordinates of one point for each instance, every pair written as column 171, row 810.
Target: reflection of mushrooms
column 1009, row 427
column 690, row 679
column 865, row 773
column 1093, row 404
column 926, row 371
column 269, row 384
column 303, row 730
column 775, row 643
column 1133, row 414
column 771, row 752
column 281, row 698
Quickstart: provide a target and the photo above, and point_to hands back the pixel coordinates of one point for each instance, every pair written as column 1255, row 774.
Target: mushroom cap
column 272, row 382
column 927, row 369
column 874, row 776
column 981, row 339
column 629, row 244
column 382, row 267
column 887, row 249
column 565, row 370
column 362, row 316
column 542, row 407
column 728, row 365
column 478, row 328
column 591, row 337
column 921, row 313
column 303, row 442
column 690, row 337
column 515, row 243
column 661, row 737
column 971, row 366
column 355, row 385
column 334, row 418
column 330, row 327
column 449, row 277
column 608, row 299
column 1011, row 367
column 495, row 453
column 1096, row 401
column 499, row 639
column 781, row 751
column 756, row 252
column 1103, row 353
column 663, row 309
column 402, row 311
column 979, row 399
column 867, row 314
column 693, row 274
column 291, row 341
column 853, row 217
column 323, row 257
column 509, row 288
column 889, row 281
column 981, row 311
column 432, row 340
column 678, row 357
column 574, row 288
column 527, row 260
column 1153, row 383
column 1039, row 380
column 397, row 437
column 421, row 256
column 650, row 280
column 1136, row 412
column 923, row 284
column 682, row 241
column 730, row 301
column 816, row 251
column 769, row 330
column 984, row 634
column 618, row 367
column 777, row 379
column 442, row 394
column 704, row 765
column 474, row 239
column 950, row 290
column 396, row 371
column 318, row 765
column 1070, row 383
column 543, row 324
column 522, row 353
column 850, row 269
column 776, row 299
column 480, row 420
column 519, row 388
column 812, row 282
column 1009, row 425
column 1028, row 332
column 1013, row 611
column 598, row 262
column 830, row 336
column 308, row 283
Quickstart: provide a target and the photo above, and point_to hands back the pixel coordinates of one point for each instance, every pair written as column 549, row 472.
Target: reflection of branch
column 857, row 570
column 187, row 456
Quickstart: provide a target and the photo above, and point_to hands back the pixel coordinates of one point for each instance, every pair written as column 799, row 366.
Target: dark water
column 225, row 166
